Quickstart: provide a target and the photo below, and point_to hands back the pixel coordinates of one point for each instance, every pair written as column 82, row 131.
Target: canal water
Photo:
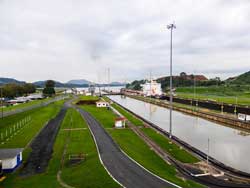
column 227, row 145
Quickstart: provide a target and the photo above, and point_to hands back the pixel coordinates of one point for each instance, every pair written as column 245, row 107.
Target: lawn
column 137, row 149
column 128, row 115
column 175, row 151
column 104, row 115
column 221, row 94
column 24, row 105
column 89, row 173
column 38, row 118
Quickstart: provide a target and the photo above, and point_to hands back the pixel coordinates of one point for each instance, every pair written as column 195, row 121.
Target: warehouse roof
column 9, row 153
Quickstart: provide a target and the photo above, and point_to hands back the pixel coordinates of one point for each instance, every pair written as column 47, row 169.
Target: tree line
column 12, row 90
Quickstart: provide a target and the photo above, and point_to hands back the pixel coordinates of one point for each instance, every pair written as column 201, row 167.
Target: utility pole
column 171, row 27
column 208, row 151
column 150, row 86
column 109, row 79
column 2, row 102
column 235, row 108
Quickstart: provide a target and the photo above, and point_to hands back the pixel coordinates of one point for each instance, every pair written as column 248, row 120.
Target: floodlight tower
column 1, row 102
column 171, row 27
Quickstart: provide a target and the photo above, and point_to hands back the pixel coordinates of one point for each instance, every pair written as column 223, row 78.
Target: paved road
column 123, row 169
column 12, row 112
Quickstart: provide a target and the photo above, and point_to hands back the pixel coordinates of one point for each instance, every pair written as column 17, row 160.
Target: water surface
column 228, row 145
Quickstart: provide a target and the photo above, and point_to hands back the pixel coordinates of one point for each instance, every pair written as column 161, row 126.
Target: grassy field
column 231, row 95
column 24, row 105
column 137, row 148
column 89, row 173
column 105, row 116
column 128, row 115
column 38, row 118
column 175, row 151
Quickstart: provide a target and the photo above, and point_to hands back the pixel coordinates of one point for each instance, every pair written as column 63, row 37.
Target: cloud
column 81, row 39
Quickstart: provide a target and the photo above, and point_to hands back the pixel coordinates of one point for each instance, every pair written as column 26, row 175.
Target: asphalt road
column 123, row 169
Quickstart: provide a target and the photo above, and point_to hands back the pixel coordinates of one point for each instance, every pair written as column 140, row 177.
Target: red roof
column 120, row 119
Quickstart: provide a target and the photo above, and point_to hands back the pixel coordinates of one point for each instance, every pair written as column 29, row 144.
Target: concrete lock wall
column 230, row 108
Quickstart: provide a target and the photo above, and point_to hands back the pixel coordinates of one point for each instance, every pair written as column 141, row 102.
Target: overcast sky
column 64, row 39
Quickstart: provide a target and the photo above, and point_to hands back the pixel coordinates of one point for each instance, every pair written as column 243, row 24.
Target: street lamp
column 171, row 27
column 2, row 102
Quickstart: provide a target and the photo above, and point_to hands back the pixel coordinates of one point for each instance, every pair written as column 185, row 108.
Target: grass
column 221, row 94
column 175, row 151
column 136, row 148
column 105, row 116
column 128, row 115
column 47, row 179
column 89, row 173
column 24, row 105
column 39, row 117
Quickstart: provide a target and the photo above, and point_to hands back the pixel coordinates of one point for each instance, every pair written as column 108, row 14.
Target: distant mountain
column 243, row 79
column 42, row 83
column 79, row 82
column 117, row 84
column 59, row 84
column 10, row 80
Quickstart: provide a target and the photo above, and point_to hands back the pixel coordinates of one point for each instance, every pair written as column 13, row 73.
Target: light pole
column 171, row 27
column 2, row 102
column 235, row 107
column 208, row 142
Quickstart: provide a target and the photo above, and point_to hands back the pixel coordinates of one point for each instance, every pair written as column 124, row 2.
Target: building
column 37, row 96
column 10, row 159
column 152, row 88
column 120, row 122
column 183, row 75
column 100, row 104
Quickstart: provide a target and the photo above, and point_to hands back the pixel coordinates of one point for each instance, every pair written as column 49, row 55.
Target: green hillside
column 243, row 79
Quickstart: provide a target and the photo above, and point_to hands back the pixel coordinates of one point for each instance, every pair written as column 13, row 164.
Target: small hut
column 101, row 104
column 10, row 159
column 120, row 122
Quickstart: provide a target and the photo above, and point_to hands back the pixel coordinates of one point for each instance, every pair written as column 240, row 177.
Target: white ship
column 151, row 88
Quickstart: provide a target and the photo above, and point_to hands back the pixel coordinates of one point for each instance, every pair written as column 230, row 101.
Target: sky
column 81, row 39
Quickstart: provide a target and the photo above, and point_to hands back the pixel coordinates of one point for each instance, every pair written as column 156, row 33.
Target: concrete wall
column 213, row 117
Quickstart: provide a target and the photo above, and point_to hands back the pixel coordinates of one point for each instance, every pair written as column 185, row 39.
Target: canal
column 227, row 145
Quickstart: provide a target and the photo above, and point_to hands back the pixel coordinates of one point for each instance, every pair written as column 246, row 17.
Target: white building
column 120, row 122
column 35, row 96
column 10, row 159
column 151, row 88
column 100, row 104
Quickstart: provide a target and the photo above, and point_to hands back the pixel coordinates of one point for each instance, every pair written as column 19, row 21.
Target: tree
column 49, row 88
column 12, row 90
column 50, row 83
